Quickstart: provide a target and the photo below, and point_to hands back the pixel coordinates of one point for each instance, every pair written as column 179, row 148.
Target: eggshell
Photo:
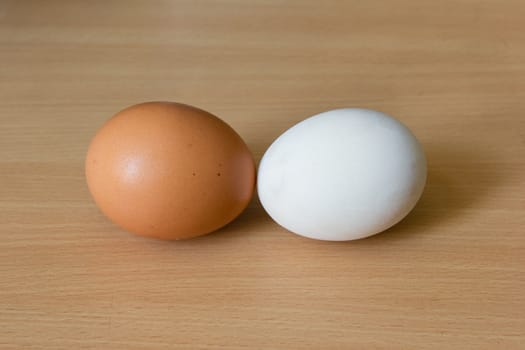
column 169, row 170
column 342, row 175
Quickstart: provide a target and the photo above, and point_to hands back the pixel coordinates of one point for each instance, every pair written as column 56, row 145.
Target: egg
column 169, row 170
column 342, row 175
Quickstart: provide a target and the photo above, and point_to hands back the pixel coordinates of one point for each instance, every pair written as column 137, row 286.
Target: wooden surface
column 450, row 276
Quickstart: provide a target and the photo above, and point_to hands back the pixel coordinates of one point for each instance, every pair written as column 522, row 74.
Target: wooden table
column 450, row 276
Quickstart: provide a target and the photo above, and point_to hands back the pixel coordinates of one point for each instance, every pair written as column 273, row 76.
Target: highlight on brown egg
column 169, row 170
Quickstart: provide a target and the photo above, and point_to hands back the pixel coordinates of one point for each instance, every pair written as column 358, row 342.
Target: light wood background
column 450, row 276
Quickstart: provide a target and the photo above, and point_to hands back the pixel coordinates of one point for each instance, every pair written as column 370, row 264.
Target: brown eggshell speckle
column 169, row 171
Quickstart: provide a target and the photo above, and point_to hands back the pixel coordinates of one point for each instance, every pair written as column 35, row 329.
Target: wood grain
column 450, row 276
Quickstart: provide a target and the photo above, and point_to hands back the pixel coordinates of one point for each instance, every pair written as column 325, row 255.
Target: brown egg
column 169, row 171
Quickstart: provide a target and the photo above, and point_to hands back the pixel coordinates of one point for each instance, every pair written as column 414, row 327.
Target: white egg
column 341, row 175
